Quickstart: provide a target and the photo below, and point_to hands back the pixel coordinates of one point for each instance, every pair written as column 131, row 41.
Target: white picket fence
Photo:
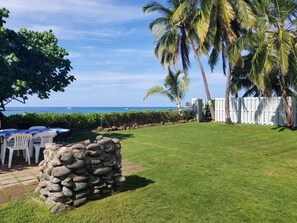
column 252, row 110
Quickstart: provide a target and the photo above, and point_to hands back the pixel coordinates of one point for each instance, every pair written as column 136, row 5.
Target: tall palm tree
column 227, row 19
column 175, row 36
column 174, row 88
column 274, row 42
column 240, row 80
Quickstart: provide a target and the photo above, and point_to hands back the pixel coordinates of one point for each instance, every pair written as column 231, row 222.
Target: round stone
column 67, row 192
column 53, row 187
column 80, row 178
column 77, row 164
column 60, row 171
column 78, row 186
column 102, row 171
column 80, row 202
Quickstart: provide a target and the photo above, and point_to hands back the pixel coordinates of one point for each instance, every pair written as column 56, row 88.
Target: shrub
column 93, row 120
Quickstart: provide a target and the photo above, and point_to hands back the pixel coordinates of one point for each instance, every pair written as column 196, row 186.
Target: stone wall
column 72, row 175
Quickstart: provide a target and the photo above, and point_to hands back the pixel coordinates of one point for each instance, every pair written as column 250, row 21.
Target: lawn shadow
column 134, row 182
column 118, row 135
column 282, row 128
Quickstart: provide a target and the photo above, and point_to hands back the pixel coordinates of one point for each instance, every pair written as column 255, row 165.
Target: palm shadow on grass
column 118, row 135
column 134, row 182
column 282, row 128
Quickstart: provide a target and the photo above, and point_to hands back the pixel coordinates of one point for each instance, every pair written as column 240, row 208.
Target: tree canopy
column 31, row 63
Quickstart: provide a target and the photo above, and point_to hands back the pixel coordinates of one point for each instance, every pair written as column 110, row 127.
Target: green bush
column 93, row 120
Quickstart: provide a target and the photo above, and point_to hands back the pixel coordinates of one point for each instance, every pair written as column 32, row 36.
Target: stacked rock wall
column 72, row 175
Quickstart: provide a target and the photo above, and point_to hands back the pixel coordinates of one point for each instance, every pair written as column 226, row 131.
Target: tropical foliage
column 30, row 63
column 174, row 88
column 175, row 36
column 256, row 41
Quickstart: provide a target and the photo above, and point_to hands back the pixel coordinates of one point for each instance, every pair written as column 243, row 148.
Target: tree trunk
column 178, row 107
column 289, row 113
column 227, row 94
column 211, row 108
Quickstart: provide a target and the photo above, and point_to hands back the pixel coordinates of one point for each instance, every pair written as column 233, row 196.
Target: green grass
column 196, row 172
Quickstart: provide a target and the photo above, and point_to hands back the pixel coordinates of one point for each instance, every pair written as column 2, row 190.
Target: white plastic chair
column 37, row 127
column 3, row 144
column 42, row 138
column 20, row 142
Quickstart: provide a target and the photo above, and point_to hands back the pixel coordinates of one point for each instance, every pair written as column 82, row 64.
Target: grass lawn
column 195, row 172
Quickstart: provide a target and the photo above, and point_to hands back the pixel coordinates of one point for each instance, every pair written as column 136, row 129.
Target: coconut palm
column 174, row 88
column 274, row 43
column 175, row 36
column 226, row 20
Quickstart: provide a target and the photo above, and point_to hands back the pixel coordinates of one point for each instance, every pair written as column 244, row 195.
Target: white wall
column 254, row 110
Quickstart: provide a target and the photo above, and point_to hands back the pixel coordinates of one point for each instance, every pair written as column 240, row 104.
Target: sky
column 111, row 50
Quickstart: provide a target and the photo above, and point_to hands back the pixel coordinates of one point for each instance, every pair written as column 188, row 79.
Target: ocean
column 84, row 110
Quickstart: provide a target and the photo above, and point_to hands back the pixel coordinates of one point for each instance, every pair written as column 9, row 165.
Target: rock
column 67, row 183
column 102, row 171
column 54, row 180
column 94, row 180
column 82, row 194
column 99, row 136
column 92, row 160
column 53, row 187
column 80, row 202
column 67, row 192
column 99, row 129
column 45, row 176
column 104, row 141
column 94, row 153
column 78, row 155
column 114, row 128
column 78, row 186
column 43, row 183
column 93, row 146
column 60, row 171
column 60, row 207
column 78, row 146
column 109, row 148
column 66, row 158
column 80, row 178
column 120, row 179
column 56, row 162
column 57, row 196
column 77, row 164
column 115, row 140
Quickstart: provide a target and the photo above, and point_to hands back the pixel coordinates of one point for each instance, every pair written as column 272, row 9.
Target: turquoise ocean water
column 84, row 110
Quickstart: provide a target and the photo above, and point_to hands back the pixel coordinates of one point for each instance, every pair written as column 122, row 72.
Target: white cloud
column 91, row 11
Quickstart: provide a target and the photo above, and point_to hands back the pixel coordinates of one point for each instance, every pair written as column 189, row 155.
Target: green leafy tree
column 227, row 19
column 274, row 43
column 31, row 63
column 174, row 88
column 175, row 36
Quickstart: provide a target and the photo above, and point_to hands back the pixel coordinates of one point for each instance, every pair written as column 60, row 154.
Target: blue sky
column 111, row 50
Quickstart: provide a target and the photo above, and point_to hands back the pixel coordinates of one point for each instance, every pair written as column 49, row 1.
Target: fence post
column 197, row 109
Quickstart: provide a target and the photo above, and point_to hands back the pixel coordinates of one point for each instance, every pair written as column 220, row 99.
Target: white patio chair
column 20, row 142
column 37, row 127
column 42, row 138
column 3, row 144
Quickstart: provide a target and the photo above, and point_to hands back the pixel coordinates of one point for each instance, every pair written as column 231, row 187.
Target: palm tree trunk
column 227, row 94
column 211, row 108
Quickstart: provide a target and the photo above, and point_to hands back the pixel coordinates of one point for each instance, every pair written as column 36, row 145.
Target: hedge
column 94, row 120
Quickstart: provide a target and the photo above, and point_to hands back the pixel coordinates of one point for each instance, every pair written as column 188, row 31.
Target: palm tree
column 174, row 88
column 240, row 81
column 226, row 20
column 175, row 36
column 274, row 42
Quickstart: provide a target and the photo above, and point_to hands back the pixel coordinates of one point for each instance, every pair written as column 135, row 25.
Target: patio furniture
column 37, row 127
column 20, row 142
column 3, row 144
column 40, row 140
